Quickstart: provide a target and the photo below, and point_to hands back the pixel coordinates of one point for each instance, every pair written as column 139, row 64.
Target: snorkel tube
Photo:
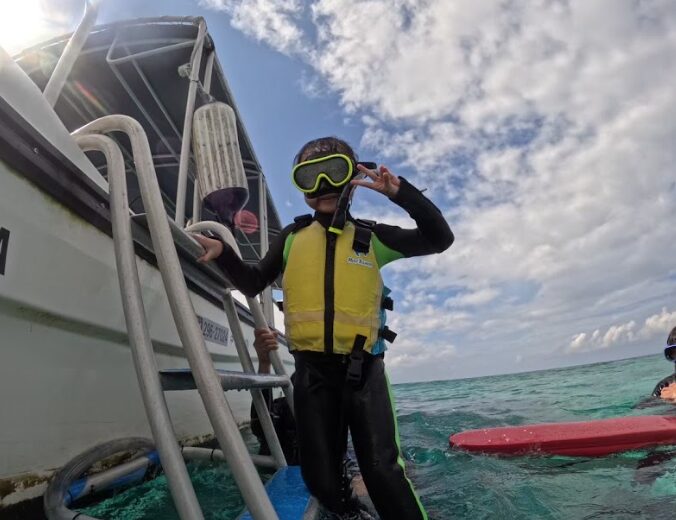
column 340, row 216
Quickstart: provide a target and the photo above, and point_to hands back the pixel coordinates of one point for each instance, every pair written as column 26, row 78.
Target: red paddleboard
column 576, row 439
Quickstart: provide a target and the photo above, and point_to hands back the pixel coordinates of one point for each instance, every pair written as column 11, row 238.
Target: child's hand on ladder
column 212, row 248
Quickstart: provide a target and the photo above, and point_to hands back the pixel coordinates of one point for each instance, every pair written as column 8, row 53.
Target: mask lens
column 337, row 169
column 670, row 353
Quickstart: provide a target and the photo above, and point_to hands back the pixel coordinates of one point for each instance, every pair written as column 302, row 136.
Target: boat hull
column 67, row 379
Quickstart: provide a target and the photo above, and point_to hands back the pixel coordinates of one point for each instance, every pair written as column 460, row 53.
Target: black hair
column 324, row 146
column 671, row 340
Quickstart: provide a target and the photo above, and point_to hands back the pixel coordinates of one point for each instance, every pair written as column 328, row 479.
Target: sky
column 544, row 130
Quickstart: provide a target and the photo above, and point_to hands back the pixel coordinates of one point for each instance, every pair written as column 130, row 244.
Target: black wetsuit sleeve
column 252, row 279
column 663, row 384
column 433, row 234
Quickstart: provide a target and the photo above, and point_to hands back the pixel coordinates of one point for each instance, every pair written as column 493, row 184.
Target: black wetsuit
column 655, row 397
column 663, row 384
column 326, row 405
column 285, row 427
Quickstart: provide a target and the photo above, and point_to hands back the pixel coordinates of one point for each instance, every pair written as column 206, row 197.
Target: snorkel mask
column 670, row 353
column 329, row 174
column 670, row 349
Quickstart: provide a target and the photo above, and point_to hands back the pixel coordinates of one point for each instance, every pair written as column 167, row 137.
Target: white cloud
column 579, row 341
column 407, row 357
column 272, row 21
column 473, row 298
column 654, row 327
column 544, row 130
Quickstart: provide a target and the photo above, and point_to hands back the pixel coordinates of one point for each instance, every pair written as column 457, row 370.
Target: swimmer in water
column 666, row 388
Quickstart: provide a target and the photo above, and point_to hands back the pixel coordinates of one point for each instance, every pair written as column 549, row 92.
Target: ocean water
column 453, row 484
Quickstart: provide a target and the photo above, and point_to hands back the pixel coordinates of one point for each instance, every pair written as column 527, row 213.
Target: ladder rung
column 264, row 461
column 182, row 379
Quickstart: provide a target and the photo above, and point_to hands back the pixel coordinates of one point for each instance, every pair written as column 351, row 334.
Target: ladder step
column 182, row 379
column 289, row 496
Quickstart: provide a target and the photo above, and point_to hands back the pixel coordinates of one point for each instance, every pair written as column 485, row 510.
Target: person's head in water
column 324, row 198
column 670, row 349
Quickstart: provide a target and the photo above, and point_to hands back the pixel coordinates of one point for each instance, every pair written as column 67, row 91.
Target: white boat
column 67, row 379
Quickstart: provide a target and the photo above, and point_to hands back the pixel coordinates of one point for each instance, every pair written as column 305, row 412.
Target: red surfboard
column 576, row 439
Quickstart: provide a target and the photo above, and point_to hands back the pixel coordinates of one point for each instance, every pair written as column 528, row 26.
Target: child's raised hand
column 212, row 248
column 382, row 180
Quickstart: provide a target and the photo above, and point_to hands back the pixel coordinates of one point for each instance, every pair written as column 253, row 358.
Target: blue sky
column 544, row 130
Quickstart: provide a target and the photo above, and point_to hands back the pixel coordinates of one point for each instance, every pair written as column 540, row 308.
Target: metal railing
column 257, row 311
column 137, row 329
column 204, row 373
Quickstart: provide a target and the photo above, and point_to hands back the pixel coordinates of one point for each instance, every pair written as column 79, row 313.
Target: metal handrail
column 195, row 61
column 70, row 54
column 240, row 344
column 218, row 410
column 260, row 321
column 142, row 349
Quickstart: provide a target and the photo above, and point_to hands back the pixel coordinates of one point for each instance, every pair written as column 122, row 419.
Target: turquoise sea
column 640, row 484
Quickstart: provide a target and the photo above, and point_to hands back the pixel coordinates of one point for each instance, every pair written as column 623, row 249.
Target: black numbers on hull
column 4, row 246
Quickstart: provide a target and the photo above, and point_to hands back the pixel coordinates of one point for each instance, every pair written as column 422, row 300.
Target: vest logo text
column 359, row 261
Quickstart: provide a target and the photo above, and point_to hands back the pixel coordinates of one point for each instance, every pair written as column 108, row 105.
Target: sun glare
column 22, row 23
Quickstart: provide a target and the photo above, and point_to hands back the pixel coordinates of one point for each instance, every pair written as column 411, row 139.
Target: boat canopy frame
column 156, row 70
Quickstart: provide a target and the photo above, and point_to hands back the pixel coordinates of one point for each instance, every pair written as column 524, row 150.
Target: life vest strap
column 387, row 334
column 354, row 369
column 387, row 304
column 362, row 235
column 301, row 222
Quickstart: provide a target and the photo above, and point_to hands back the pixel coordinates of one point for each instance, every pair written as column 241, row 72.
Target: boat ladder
column 168, row 240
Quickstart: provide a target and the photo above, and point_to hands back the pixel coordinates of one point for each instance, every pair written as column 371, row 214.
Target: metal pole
column 190, row 453
column 196, row 202
column 204, row 373
column 266, row 295
column 146, row 54
column 154, row 95
column 139, row 337
column 71, row 52
column 208, row 70
column 181, row 186
column 137, row 101
column 254, row 305
column 256, row 394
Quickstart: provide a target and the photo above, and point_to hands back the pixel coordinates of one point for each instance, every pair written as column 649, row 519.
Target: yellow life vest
column 331, row 293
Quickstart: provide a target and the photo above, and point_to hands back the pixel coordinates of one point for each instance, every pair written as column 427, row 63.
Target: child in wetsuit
column 666, row 388
column 333, row 299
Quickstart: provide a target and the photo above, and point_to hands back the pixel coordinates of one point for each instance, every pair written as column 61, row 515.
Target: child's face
column 324, row 204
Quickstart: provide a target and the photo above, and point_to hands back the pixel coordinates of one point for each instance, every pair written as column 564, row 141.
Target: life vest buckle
column 354, row 368
column 363, row 230
column 387, row 334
